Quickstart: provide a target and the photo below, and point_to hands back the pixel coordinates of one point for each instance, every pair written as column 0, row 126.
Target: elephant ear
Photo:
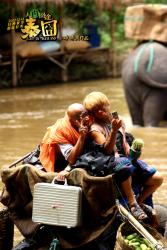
column 150, row 64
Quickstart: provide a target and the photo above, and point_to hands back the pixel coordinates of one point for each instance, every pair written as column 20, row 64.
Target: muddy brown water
column 25, row 114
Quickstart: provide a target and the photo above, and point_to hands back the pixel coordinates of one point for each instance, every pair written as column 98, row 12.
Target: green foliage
column 5, row 13
column 83, row 11
column 105, row 38
column 5, row 77
column 81, row 14
column 77, row 16
column 86, row 12
column 156, row 2
column 51, row 9
column 123, row 46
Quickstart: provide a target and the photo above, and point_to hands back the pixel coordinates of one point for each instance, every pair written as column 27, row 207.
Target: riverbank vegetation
column 109, row 27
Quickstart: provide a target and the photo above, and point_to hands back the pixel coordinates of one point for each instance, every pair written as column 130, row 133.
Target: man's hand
column 62, row 175
column 83, row 130
column 116, row 124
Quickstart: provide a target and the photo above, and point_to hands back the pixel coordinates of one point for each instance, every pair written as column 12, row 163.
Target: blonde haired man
column 104, row 131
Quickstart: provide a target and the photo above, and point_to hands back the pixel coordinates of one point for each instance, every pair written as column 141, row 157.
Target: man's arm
column 125, row 143
column 71, row 153
column 109, row 143
column 77, row 150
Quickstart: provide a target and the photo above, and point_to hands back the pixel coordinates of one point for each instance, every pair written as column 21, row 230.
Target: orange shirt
column 60, row 133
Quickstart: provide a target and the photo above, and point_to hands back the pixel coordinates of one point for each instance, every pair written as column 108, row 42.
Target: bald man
column 67, row 136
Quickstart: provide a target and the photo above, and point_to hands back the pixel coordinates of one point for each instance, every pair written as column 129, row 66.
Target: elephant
column 161, row 213
column 144, row 76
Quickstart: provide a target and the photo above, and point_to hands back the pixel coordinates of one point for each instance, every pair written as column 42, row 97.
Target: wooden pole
column 14, row 59
column 113, row 52
column 64, row 70
column 138, row 226
column 18, row 161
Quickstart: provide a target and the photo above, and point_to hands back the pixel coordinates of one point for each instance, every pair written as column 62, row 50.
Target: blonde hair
column 95, row 100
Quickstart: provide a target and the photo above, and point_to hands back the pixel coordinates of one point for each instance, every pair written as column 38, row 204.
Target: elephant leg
column 135, row 109
column 153, row 109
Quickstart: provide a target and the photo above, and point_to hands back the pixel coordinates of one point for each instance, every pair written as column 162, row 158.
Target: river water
column 25, row 114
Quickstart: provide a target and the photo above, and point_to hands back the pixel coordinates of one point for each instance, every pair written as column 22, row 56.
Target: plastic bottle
column 136, row 149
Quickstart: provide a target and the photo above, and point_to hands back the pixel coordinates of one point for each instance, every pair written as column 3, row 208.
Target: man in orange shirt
column 66, row 137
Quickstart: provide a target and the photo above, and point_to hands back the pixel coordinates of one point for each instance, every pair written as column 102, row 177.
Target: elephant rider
column 66, row 137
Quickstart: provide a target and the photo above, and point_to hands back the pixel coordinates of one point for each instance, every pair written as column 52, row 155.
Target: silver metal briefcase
column 56, row 204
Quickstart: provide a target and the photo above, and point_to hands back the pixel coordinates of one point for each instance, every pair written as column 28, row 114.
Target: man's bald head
column 74, row 111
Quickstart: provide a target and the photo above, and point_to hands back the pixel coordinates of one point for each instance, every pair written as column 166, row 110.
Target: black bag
column 41, row 239
column 26, row 244
column 95, row 162
column 119, row 142
column 33, row 159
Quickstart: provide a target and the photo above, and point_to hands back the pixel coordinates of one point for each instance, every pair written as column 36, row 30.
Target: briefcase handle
column 55, row 181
